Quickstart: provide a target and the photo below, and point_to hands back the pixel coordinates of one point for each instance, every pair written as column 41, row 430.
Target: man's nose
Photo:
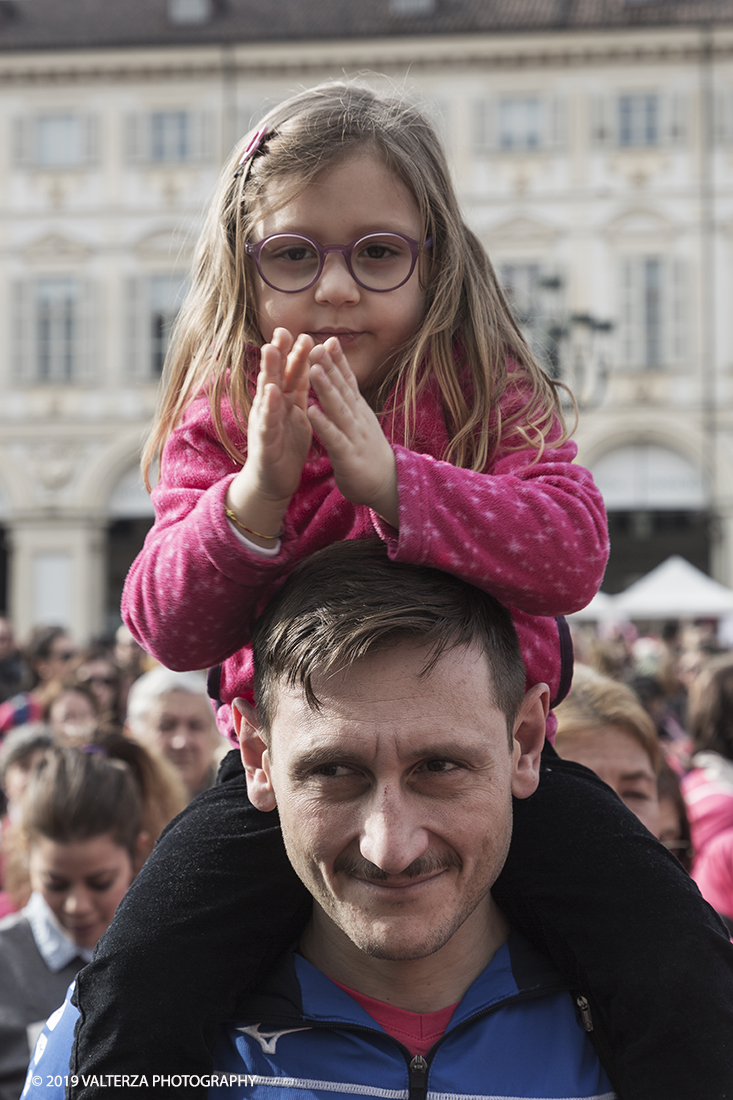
column 180, row 737
column 392, row 836
column 336, row 285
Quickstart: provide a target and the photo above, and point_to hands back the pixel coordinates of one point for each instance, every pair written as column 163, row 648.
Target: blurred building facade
column 592, row 144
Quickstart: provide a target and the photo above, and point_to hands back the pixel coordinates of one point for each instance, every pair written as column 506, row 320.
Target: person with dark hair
column 47, row 658
column 674, row 822
column 95, row 666
column 84, row 818
column 11, row 665
column 21, row 751
column 380, row 687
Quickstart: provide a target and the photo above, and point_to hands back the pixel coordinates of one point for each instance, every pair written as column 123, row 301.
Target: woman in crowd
column 47, row 657
column 21, row 751
column 708, row 787
column 90, row 816
column 603, row 725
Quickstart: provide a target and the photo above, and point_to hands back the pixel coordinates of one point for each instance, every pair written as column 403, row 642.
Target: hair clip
column 257, row 138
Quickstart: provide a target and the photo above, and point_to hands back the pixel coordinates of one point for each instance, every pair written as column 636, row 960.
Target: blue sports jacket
column 516, row 1035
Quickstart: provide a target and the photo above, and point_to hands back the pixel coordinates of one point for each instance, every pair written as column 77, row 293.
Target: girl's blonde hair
column 468, row 331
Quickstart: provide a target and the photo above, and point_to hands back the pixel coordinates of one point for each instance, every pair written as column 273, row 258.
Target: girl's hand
column 362, row 459
column 278, row 436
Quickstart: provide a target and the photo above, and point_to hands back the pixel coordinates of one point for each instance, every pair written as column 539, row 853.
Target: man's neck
column 419, row 985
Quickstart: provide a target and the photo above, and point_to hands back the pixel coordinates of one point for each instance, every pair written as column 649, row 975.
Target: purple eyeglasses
column 291, row 262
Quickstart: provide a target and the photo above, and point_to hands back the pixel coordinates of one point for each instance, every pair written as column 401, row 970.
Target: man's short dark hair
column 349, row 600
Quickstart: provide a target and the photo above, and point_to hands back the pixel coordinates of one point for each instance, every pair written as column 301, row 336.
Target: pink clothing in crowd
column 534, row 535
column 708, row 791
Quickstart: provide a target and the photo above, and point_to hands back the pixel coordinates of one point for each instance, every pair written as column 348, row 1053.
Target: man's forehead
column 391, row 687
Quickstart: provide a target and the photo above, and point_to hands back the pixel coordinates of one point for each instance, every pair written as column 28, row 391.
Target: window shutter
column 723, row 116
column 137, row 350
column 555, row 122
column 603, row 120
column 631, row 317
column 24, row 141
column 678, row 318
column 90, row 139
column 88, row 366
column 202, row 135
column 22, row 332
column 674, row 115
column 484, row 124
column 137, row 138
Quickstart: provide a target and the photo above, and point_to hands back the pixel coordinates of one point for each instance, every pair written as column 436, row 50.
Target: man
column 171, row 713
column 391, row 735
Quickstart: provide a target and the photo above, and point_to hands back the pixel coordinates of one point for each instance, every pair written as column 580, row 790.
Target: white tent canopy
column 600, row 608
column 674, row 590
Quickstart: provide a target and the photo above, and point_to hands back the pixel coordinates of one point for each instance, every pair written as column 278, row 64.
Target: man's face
column 181, row 726
column 395, row 797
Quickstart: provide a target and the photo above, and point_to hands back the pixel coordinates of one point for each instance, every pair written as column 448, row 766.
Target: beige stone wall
column 578, row 208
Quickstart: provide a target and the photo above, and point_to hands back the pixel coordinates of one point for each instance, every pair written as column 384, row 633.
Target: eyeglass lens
column 381, row 261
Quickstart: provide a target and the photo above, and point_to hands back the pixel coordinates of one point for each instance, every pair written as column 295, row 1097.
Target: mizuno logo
column 268, row 1039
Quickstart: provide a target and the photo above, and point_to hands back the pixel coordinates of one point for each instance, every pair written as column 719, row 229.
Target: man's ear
column 529, row 737
column 255, row 756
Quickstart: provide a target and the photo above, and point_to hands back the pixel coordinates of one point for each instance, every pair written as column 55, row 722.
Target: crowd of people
column 100, row 748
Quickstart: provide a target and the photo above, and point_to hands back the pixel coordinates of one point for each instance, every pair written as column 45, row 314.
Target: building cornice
column 560, row 50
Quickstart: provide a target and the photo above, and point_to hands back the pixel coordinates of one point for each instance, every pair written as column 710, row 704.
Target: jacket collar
column 295, row 992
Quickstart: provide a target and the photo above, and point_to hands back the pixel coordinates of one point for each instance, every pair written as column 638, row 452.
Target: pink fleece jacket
column 533, row 535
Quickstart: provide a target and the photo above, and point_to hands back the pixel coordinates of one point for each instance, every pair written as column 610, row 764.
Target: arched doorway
column 658, row 504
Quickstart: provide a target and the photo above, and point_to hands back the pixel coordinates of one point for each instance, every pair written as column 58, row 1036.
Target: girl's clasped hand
column 280, row 429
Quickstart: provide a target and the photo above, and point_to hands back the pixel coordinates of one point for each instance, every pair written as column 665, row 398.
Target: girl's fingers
column 296, row 366
column 272, row 363
column 337, row 400
column 338, row 357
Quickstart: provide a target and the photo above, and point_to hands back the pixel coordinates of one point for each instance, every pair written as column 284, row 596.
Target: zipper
column 585, row 1016
column 418, row 1070
column 418, row 1067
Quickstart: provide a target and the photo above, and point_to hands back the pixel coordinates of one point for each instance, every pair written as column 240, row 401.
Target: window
column 638, row 120
column 64, row 140
column 153, row 302
column 516, row 123
column 51, row 320
column 535, row 298
column 165, row 296
column 190, row 11
column 169, row 137
column 652, row 313
column 411, row 7
column 57, row 324
column 520, row 124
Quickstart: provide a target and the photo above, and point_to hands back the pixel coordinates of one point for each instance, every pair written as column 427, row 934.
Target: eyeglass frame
column 254, row 250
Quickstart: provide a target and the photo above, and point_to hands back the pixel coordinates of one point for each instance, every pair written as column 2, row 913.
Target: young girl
column 346, row 366
column 84, row 819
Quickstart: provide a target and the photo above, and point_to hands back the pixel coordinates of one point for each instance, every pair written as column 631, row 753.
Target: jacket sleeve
column 193, row 590
column 534, row 536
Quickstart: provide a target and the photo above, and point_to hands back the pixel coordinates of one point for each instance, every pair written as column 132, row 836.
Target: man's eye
column 333, row 771
column 440, row 766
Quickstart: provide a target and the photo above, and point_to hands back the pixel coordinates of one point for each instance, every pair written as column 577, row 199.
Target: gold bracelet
column 230, row 515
